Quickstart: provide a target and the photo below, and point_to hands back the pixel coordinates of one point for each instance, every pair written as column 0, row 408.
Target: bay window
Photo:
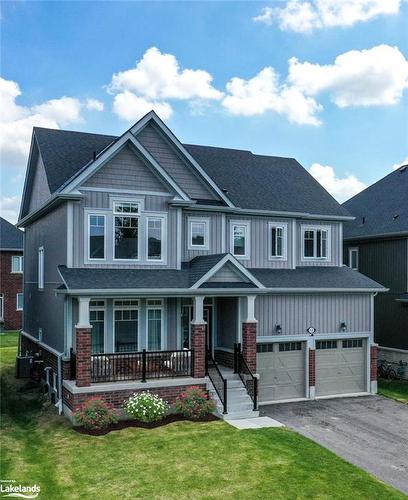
column 316, row 243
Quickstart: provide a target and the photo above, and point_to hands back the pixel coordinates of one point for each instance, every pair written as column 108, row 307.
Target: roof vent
column 402, row 169
column 225, row 191
column 363, row 220
column 94, row 155
column 395, row 216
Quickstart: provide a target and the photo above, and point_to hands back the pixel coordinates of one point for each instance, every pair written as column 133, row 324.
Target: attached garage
column 282, row 371
column 341, row 367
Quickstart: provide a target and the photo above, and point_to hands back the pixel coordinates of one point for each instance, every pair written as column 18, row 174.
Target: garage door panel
column 282, row 374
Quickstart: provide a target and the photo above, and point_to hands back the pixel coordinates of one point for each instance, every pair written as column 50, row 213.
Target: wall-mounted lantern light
column 311, row 330
column 343, row 326
column 278, row 329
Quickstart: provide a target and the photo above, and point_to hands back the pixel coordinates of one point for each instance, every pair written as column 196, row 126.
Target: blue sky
column 349, row 114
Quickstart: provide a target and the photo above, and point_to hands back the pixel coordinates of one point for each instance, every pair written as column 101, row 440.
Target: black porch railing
column 72, row 365
column 218, row 381
column 144, row 365
column 247, row 377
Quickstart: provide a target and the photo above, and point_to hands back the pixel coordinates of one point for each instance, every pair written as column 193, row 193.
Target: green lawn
column 395, row 389
column 178, row 461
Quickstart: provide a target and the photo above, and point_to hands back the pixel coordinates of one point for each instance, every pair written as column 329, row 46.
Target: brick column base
column 83, row 356
column 373, row 362
column 198, row 341
column 249, row 344
column 312, row 373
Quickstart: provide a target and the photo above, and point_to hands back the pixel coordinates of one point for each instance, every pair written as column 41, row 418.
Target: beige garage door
column 341, row 366
column 281, row 367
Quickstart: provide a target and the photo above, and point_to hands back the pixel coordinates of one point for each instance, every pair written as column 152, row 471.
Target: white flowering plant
column 146, row 407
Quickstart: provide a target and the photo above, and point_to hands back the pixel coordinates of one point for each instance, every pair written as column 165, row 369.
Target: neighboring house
column 376, row 244
column 11, row 276
column 140, row 242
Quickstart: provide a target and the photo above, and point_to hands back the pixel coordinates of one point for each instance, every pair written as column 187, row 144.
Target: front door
column 187, row 317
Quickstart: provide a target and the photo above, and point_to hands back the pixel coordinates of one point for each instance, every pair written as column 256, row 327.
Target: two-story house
column 149, row 260
column 11, row 276
column 376, row 244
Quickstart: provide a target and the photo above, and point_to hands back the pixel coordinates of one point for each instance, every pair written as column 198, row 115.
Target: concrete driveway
column 370, row 431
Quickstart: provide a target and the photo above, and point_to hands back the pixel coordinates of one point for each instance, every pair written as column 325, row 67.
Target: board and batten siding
column 101, row 200
column 335, row 244
column 172, row 162
column 215, row 234
column 39, row 191
column 126, row 170
column 295, row 313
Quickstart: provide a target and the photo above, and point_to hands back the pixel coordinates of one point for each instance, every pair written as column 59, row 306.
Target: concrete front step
column 240, row 414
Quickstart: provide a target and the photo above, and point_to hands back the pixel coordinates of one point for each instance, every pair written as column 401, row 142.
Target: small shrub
column 146, row 407
column 194, row 403
column 96, row 414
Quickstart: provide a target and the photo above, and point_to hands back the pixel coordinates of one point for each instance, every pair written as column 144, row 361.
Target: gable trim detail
column 240, row 268
column 151, row 116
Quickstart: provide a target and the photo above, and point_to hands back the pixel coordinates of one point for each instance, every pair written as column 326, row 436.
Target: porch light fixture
column 343, row 326
column 311, row 330
column 278, row 329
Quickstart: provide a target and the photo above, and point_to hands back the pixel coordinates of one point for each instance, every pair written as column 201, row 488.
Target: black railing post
column 207, row 355
column 235, row 358
column 225, row 396
column 144, row 365
column 192, row 363
column 255, row 393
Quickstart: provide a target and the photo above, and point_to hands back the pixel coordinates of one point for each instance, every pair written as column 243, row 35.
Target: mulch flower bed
column 123, row 424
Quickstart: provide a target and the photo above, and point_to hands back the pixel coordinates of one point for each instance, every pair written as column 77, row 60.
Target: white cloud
column 307, row 16
column 94, row 105
column 16, row 121
column 9, row 208
column 375, row 76
column 130, row 107
column 341, row 188
column 264, row 93
column 155, row 79
column 396, row 166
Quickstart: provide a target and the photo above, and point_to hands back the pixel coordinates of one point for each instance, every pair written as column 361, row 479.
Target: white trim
column 155, row 308
column 284, row 227
column 105, row 330
column 341, row 244
column 70, row 234
column 223, row 233
column 163, row 226
column 179, row 146
column 198, row 220
column 349, row 395
column 294, row 243
column 40, row 269
column 83, row 313
column 42, row 344
column 179, row 237
column 131, row 192
column 315, row 228
column 22, row 298
column 87, row 236
column 247, row 225
column 350, row 261
column 127, row 308
column 250, row 309
column 219, row 265
column 393, row 349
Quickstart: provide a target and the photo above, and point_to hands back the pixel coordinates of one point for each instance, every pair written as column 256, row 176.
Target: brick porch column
column 312, row 373
column 83, row 335
column 249, row 329
column 373, row 368
column 198, row 337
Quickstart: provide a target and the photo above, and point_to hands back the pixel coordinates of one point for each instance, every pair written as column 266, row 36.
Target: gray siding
column 386, row 261
column 295, row 313
column 167, row 157
column 49, row 232
column 40, row 191
column 227, row 274
column 126, row 171
column 215, row 234
column 335, row 244
column 101, row 200
column 227, row 319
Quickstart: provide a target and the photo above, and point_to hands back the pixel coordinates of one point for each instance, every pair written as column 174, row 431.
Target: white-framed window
column 1, row 306
column 126, row 207
column 19, row 302
column 154, row 324
column 97, row 320
column 198, row 233
column 96, row 236
column 353, row 258
column 155, row 238
column 17, row 264
column 240, row 239
column 125, row 238
column 316, row 243
column 277, row 240
column 126, row 325
column 41, row 268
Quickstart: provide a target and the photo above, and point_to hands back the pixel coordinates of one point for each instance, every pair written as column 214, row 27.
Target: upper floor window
column 126, row 207
column 96, row 244
column 240, row 239
column 41, row 268
column 17, row 264
column 316, row 243
column 154, row 238
column 126, row 230
column 198, row 233
column 277, row 241
column 353, row 258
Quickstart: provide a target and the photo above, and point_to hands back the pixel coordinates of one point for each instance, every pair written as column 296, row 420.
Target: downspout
column 58, row 404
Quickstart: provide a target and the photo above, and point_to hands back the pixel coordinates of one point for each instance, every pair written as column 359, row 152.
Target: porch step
column 241, row 414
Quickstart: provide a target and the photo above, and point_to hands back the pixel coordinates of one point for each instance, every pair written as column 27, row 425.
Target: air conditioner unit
column 23, row 366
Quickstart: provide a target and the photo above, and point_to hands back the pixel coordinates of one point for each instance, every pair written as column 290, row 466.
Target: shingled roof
column 250, row 181
column 11, row 238
column 381, row 209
